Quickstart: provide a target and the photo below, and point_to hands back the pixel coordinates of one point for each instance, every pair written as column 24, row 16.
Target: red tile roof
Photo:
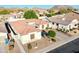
column 23, row 28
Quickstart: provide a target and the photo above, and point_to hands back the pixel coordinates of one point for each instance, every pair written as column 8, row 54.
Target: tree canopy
column 30, row 14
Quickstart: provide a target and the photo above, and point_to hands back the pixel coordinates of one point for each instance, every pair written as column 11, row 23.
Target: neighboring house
column 40, row 11
column 4, row 17
column 65, row 22
column 17, row 15
column 12, row 19
column 38, row 23
column 12, row 16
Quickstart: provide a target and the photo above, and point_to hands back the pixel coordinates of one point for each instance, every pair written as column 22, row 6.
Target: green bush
column 48, row 28
column 51, row 33
column 53, row 14
column 29, row 46
column 71, row 29
column 30, row 14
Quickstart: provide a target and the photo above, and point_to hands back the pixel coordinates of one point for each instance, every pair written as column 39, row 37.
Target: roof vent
column 63, row 18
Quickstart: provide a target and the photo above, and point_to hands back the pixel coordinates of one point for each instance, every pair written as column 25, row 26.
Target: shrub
column 71, row 29
column 53, row 14
column 47, row 28
column 75, row 32
column 51, row 33
column 29, row 46
column 48, row 15
column 54, row 40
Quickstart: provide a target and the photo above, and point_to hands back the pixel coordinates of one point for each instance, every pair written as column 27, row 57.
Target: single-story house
column 17, row 15
column 65, row 22
column 28, row 30
column 4, row 17
column 11, row 16
column 38, row 23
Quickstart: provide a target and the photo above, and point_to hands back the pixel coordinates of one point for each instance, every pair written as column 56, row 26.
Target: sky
column 31, row 6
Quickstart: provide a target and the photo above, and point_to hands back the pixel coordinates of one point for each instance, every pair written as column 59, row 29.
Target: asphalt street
column 71, row 47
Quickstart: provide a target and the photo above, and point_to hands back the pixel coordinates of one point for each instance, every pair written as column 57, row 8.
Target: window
column 53, row 23
column 36, row 26
column 75, row 24
column 32, row 36
column 57, row 24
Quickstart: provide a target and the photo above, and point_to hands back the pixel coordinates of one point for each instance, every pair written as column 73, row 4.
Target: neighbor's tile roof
column 68, row 18
column 37, row 21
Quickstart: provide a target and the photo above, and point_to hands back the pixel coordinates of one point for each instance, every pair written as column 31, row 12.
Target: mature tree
column 30, row 14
